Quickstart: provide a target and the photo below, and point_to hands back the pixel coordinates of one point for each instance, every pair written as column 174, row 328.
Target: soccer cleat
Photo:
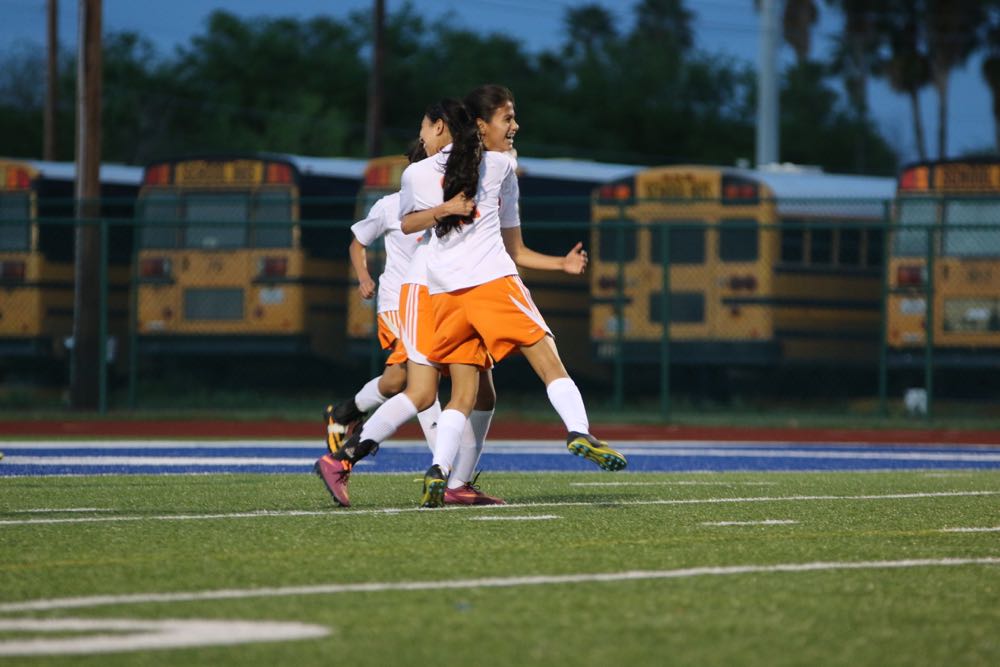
column 435, row 482
column 592, row 449
column 469, row 494
column 340, row 422
column 354, row 449
column 335, row 475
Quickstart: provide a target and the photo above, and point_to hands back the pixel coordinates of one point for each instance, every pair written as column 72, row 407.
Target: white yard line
column 532, row 517
column 57, row 510
column 990, row 529
column 765, row 522
column 516, row 506
column 16, row 460
column 488, row 582
column 678, row 483
column 144, row 635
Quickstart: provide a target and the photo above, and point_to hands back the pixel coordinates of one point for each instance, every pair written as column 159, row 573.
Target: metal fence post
column 133, row 318
column 929, row 323
column 883, row 352
column 102, row 322
column 618, row 399
column 665, row 317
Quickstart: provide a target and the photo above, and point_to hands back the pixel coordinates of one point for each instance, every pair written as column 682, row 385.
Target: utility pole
column 375, row 87
column 87, row 359
column 52, row 83
column 767, row 82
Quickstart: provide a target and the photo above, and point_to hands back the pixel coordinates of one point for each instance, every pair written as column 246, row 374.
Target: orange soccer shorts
column 389, row 339
column 416, row 322
column 483, row 324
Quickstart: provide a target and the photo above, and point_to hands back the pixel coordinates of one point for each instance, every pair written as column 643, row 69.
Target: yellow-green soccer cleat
column 592, row 449
column 435, row 482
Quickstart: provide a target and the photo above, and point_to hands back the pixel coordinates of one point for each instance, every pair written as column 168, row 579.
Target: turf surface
column 833, row 568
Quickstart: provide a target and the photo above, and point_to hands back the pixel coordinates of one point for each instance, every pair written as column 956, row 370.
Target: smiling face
column 498, row 133
column 434, row 135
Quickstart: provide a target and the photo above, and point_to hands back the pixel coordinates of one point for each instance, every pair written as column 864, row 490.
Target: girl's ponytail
column 461, row 174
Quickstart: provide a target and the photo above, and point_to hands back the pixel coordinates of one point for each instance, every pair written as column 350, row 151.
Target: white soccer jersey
column 416, row 272
column 472, row 254
column 383, row 221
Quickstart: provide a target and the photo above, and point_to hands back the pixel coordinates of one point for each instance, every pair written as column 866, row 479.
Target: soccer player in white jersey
column 383, row 222
column 420, row 377
column 482, row 310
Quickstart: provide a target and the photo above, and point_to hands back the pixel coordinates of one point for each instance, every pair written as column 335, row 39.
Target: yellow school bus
column 555, row 211
column 37, row 254
column 241, row 255
column 766, row 267
column 946, row 246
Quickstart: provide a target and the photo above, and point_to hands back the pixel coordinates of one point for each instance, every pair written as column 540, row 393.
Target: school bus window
column 157, row 212
column 228, row 208
column 910, row 240
column 793, row 242
column 609, row 239
column 272, row 214
column 738, row 240
column 213, row 304
column 15, row 211
column 874, row 247
column 972, row 315
column 821, row 246
column 687, row 241
column 976, row 241
column 685, row 307
column 849, row 247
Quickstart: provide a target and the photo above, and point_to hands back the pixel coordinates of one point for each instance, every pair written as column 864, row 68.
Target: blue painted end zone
column 39, row 458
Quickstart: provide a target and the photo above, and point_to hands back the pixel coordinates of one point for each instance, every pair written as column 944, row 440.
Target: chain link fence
column 677, row 312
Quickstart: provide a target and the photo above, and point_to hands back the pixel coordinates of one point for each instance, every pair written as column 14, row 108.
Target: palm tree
column 906, row 66
column 856, row 57
column 953, row 33
column 797, row 23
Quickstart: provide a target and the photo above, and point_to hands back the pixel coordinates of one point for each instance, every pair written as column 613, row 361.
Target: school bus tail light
column 272, row 267
column 910, row 275
column 18, row 179
column 157, row 175
column 155, row 267
column 737, row 190
column 278, row 173
column 616, row 191
column 12, row 271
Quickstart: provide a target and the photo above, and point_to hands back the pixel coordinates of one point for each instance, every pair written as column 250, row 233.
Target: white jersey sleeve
column 373, row 226
column 510, row 209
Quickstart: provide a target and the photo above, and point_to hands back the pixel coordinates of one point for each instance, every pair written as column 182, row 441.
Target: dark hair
column 461, row 173
column 416, row 152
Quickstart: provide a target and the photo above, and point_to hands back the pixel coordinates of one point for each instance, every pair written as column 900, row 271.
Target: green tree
column 991, row 62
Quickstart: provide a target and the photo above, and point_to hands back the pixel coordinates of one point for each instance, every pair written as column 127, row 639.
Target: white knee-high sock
column 369, row 397
column 451, row 424
column 429, row 422
column 471, row 449
column 566, row 399
column 390, row 416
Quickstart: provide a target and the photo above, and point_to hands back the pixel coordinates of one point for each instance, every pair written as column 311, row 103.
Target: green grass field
column 808, row 568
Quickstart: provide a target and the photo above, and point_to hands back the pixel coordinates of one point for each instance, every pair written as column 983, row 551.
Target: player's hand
column 458, row 205
column 575, row 262
column 366, row 288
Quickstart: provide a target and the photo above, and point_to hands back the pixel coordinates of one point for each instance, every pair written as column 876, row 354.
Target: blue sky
column 722, row 26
